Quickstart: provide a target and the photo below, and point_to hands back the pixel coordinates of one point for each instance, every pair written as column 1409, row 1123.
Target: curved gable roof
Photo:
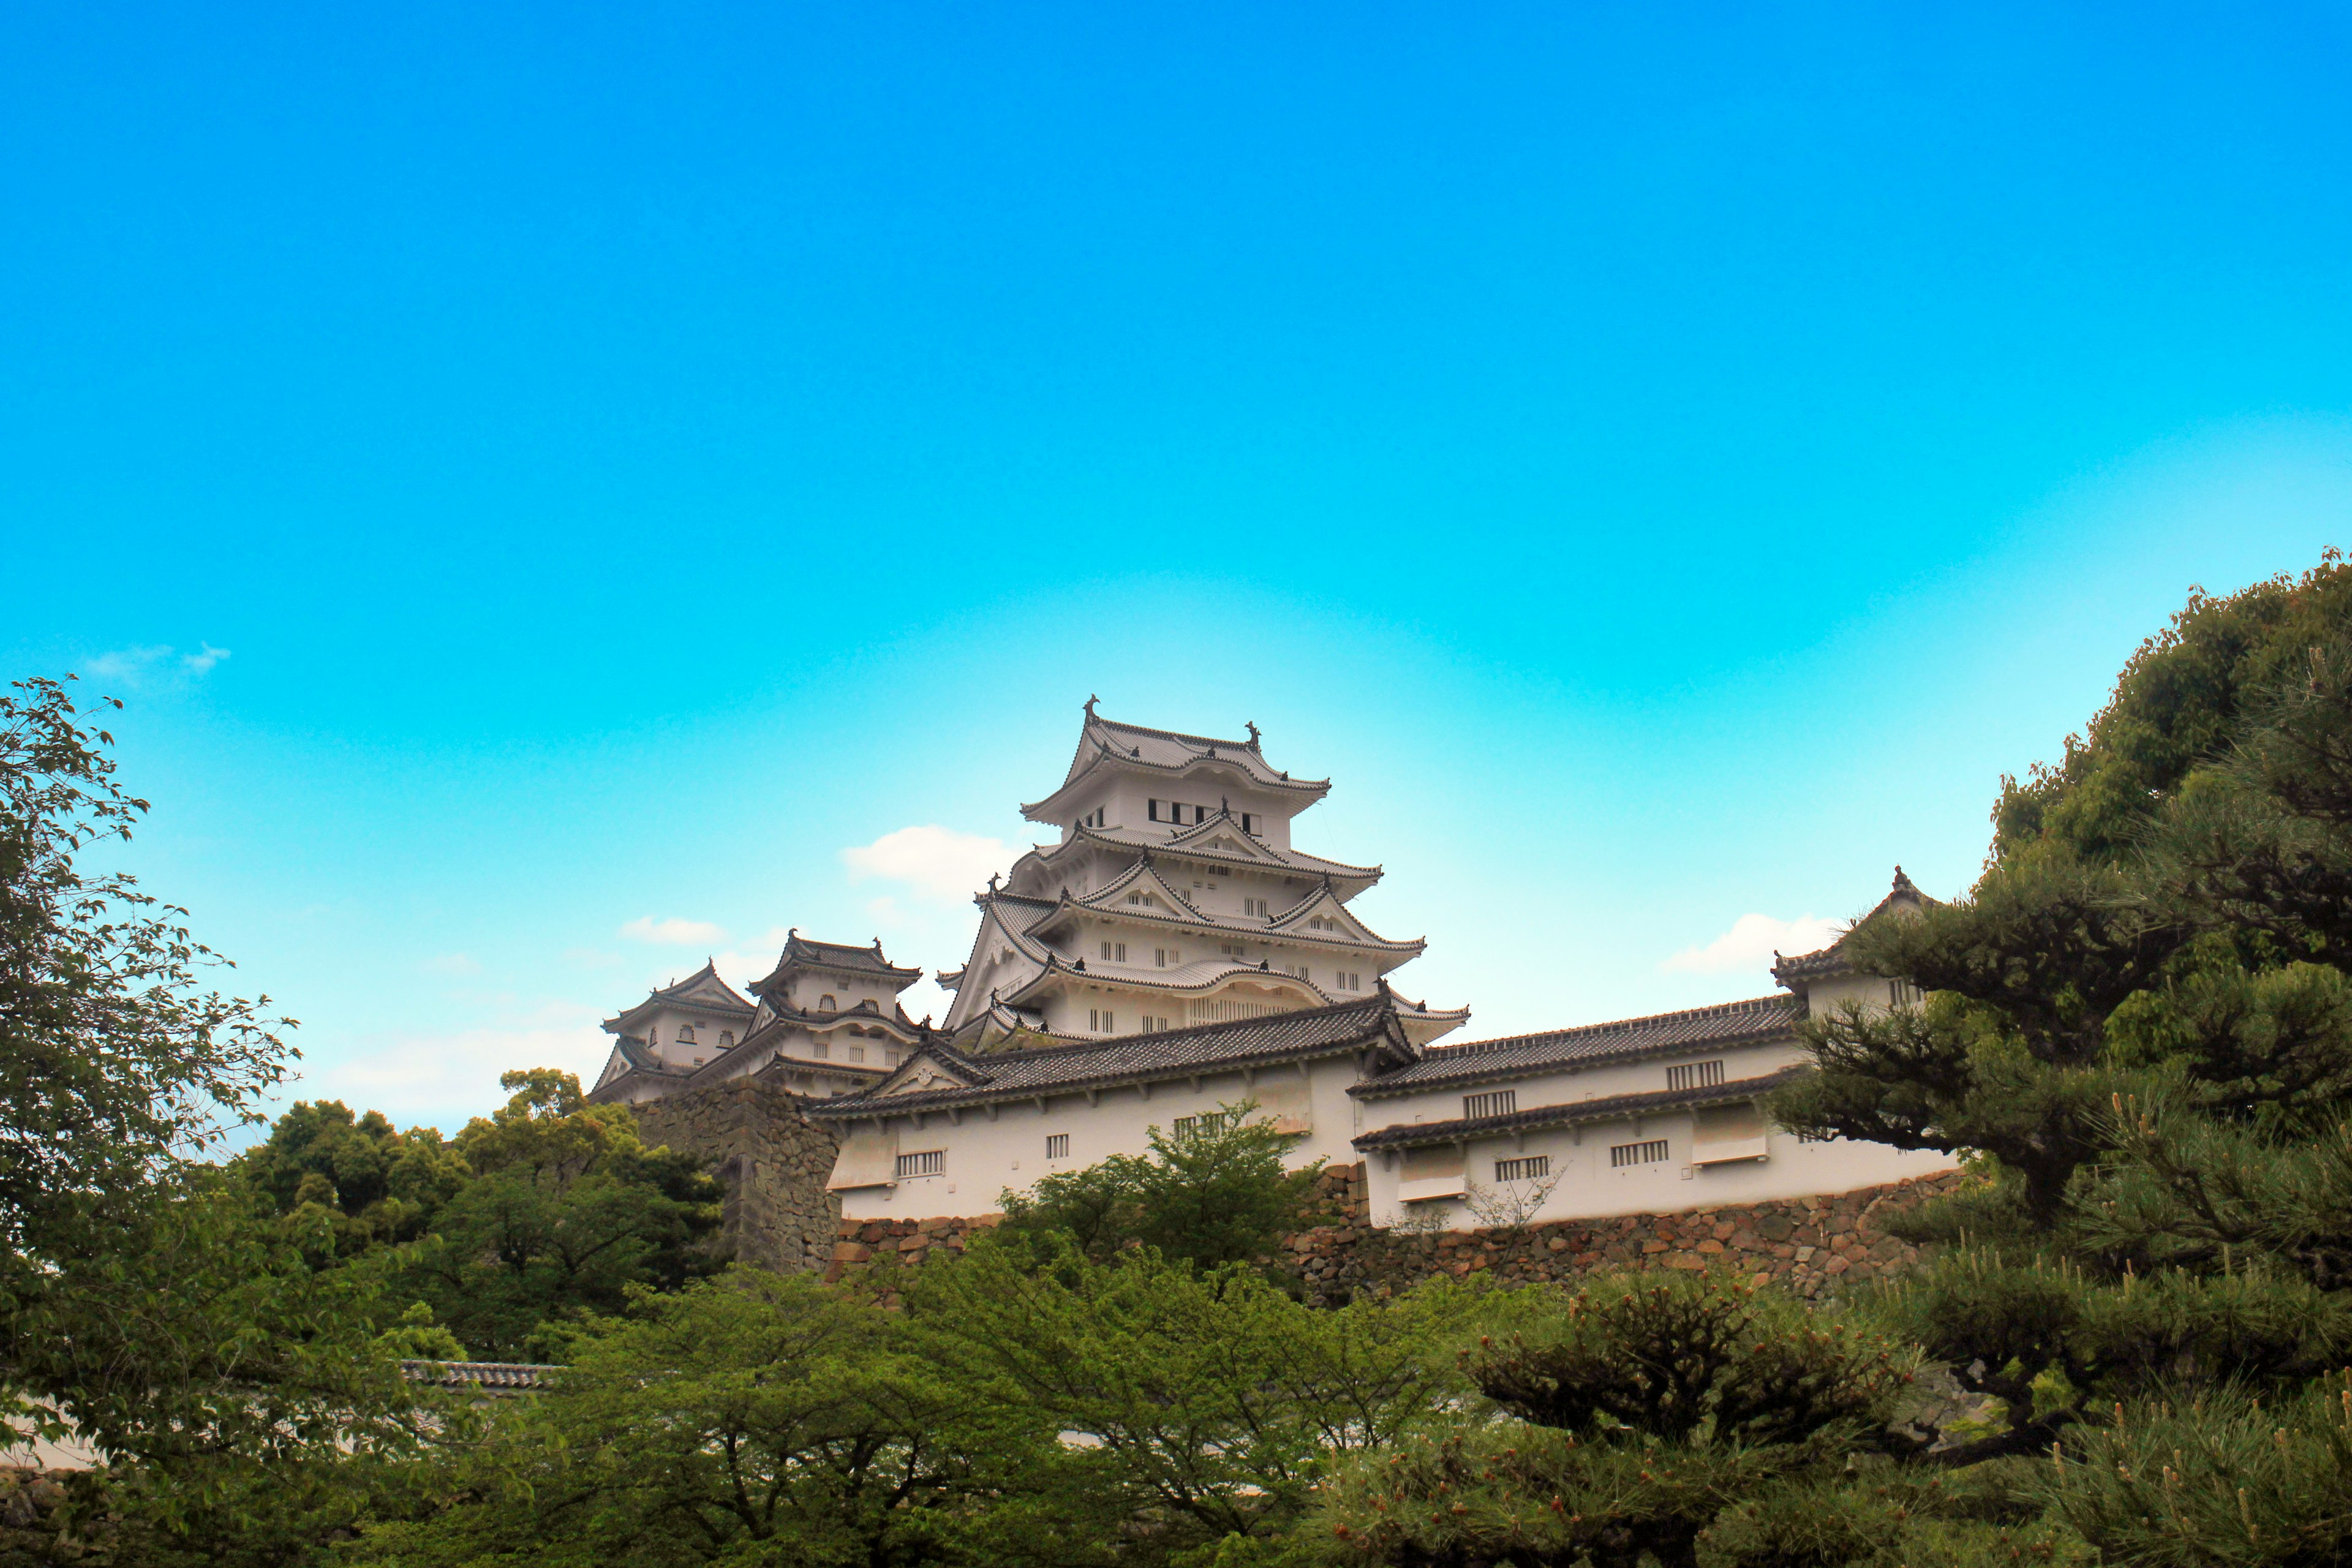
column 1140, row 748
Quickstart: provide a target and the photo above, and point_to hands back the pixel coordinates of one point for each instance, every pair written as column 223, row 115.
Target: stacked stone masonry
column 773, row 1161
column 1809, row 1245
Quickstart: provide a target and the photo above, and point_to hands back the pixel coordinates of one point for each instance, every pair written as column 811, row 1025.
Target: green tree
column 373, row 1183
column 1216, row 1193
column 241, row 1399
column 749, row 1418
column 1640, row 1408
column 1206, row 1401
column 2140, row 1027
column 562, row 1212
column 116, row 1063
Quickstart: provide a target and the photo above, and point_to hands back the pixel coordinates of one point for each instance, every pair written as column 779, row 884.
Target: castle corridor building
column 1171, row 959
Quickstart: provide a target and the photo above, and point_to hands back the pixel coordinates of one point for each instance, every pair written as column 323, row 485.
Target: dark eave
column 1627, row 1039
column 1199, row 1051
column 1616, row 1108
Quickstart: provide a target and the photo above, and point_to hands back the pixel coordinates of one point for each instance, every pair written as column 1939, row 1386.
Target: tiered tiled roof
column 840, row 958
column 1096, row 1064
column 1732, row 1023
column 1170, row 751
column 702, row 989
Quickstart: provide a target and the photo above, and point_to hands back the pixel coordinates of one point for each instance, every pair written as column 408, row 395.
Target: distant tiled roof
column 1568, row 1114
column 1832, row 960
column 703, row 988
column 1205, row 1048
column 1517, row 1055
column 839, row 956
column 508, row 1375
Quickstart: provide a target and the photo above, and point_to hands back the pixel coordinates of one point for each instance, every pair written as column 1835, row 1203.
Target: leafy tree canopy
column 1216, row 1193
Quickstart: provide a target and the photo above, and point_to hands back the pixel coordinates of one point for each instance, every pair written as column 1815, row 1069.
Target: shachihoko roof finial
column 1091, row 700
column 1252, row 728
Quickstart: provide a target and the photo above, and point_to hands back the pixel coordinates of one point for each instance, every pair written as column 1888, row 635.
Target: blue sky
column 1663, row 467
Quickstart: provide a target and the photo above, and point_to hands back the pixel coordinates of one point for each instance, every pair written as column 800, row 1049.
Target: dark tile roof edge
column 1614, row 1107
column 985, row 1068
column 1773, row 1014
column 479, row 1374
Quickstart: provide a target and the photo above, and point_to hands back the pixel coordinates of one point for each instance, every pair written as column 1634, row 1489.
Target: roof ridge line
column 1713, row 1009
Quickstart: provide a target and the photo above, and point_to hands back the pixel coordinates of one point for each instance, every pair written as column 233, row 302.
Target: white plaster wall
column 984, row 1157
column 1589, row 1188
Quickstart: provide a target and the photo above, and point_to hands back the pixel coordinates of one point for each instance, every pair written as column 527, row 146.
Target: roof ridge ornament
column 1091, row 700
column 1252, row 728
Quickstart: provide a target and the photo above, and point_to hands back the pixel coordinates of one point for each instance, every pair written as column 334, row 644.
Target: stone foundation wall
column 1809, row 1245
column 773, row 1161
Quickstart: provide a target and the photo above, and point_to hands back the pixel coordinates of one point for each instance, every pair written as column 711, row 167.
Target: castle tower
column 827, row 1022
column 1173, row 898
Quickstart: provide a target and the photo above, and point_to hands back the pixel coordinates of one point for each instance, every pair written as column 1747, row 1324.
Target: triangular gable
column 1142, row 879
column 1223, row 835
column 927, row 1071
column 1323, row 904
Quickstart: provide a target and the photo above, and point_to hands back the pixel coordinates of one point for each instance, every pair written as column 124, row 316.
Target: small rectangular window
column 1646, row 1153
column 1495, row 1102
column 1164, row 956
column 1249, row 822
column 1057, row 1146
column 857, row 1053
column 1151, row 809
column 1903, row 993
column 820, row 1050
column 1695, row 1075
column 1101, row 1020
column 1528, row 1169
column 930, row 1163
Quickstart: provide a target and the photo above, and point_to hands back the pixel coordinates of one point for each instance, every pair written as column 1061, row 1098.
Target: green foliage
column 1207, row 1399
column 371, row 1182
column 1218, row 1194
column 1644, row 1404
column 247, row 1406
column 546, row 1210
column 745, row 1419
column 114, row 1062
column 563, row 1212
column 2223, row 1479
column 1686, row 1358
column 2177, row 704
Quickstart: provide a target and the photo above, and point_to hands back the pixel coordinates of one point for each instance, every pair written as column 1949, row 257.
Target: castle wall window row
column 1695, row 1075
column 1527, row 1168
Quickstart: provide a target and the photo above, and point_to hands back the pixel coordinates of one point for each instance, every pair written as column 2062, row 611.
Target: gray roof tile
column 1206, row 1048
column 1517, row 1055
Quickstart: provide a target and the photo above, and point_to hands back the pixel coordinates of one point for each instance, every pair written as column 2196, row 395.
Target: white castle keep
column 1172, row 956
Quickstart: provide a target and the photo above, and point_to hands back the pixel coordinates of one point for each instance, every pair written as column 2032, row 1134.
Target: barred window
column 1648, row 1153
column 929, row 1163
column 1057, row 1146
column 1523, row 1170
column 1495, row 1102
column 1101, row 1020
column 1207, row 1125
column 1695, row 1075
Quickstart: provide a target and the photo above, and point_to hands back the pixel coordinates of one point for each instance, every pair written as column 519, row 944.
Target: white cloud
column 674, row 932
column 1751, row 942
column 452, row 963
column 447, row 1079
column 148, row 665
column 937, row 863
